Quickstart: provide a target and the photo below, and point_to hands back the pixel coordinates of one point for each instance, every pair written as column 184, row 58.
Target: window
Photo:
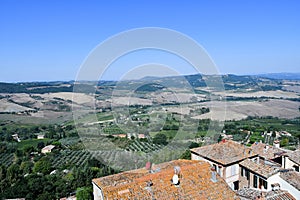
column 242, row 171
column 260, row 183
column 219, row 170
column 215, row 167
column 255, row 181
column 247, row 174
column 265, row 183
column 236, row 185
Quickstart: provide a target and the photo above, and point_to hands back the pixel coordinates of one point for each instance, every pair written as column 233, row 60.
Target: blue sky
column 49, row 39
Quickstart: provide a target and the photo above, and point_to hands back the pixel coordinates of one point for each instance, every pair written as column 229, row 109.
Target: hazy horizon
column 70, row 80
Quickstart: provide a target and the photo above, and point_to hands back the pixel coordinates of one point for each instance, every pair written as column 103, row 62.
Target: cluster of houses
column 225, row 170
column 253, row 171
column 45, row 150
column 17, row 138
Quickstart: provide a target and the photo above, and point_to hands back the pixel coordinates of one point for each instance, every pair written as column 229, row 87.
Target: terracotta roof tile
column 259, row 168
column 292, row 177
column 267, row 151
column 195, row 183
column 224, row 152
column 295, row 156
column 251, row 194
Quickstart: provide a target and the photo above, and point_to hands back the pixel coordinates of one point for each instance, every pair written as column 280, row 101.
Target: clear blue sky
column 49, row 39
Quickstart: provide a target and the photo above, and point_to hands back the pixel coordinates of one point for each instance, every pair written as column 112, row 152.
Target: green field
column 32, row 142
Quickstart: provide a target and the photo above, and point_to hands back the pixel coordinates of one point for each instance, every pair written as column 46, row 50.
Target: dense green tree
column 28, row 149
column 186, row 155
column 284, row 142
column 84, row 193
column 26, row 167
column 2, row 179
column 193, row 145
column 160, row 139
column 42, row 166
column 40, row 145
column 12, row 173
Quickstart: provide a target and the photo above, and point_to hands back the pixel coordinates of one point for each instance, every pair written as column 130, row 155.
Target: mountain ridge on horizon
column 276, row 75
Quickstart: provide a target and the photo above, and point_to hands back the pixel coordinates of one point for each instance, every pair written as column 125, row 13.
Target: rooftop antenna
column 177, row 170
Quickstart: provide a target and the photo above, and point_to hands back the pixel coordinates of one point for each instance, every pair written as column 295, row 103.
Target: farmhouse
column 48, row 149
column 16, row 137
column 178, row 179
column 40, row 136
column 120, row 135
column 285, row 133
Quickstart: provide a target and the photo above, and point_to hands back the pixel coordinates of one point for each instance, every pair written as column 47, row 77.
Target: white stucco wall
column 283, row 185
column 196, row 157
column 97, row 193
column 289, row 164
column 232, row 174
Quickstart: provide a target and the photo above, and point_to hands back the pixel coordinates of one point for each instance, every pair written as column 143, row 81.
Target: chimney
column 213, row 175
column 177, row 170
column 149, row 166
column 266, row 148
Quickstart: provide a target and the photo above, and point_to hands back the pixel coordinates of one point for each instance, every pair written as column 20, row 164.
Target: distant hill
column 269, row 81
column 281, row 76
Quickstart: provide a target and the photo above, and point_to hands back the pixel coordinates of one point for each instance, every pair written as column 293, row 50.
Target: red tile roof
column 295, row 156
column 266, row 151
column 259, row 168
column 250, row 193
column 292, row 177
column 195, row 183
column 224, row 152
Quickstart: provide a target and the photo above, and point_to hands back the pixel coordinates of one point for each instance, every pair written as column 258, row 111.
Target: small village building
column 40, row 136
column 48, row 149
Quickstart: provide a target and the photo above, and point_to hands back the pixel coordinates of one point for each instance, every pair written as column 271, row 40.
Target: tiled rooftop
column 251, row 194
column 292, row 177
column 279, row 195
column 266, row 151
column 195, row 183
column 260, row 168
column 295, row 156
column 225, row 152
